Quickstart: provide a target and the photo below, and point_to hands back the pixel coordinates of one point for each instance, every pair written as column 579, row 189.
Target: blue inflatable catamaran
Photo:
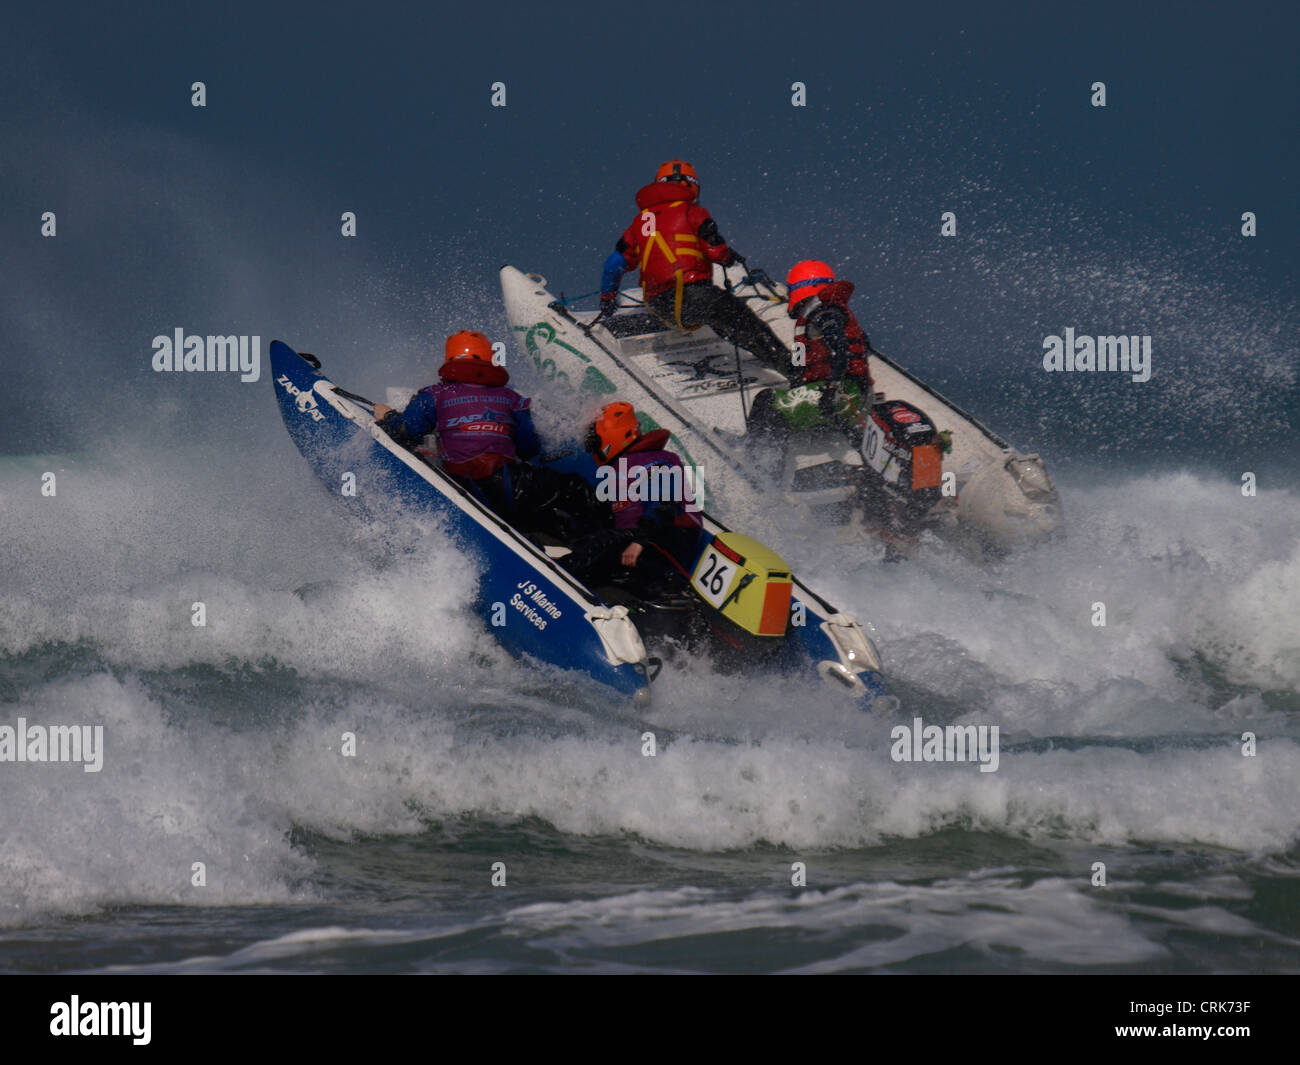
column 745, row 594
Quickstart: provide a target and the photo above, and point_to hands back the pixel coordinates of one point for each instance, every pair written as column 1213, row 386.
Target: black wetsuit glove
column 392, row 424
column 592, row 556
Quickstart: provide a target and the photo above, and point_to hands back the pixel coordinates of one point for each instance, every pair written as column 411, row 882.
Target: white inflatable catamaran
column 701, row 388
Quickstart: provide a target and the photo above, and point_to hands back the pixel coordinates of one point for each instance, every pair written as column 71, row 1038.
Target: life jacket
column 674, row 254
column 647, row 452
column 817, row 352
column 475, row 425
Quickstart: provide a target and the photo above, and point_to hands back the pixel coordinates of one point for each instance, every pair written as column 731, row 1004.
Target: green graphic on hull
column 597, row 383
column 543, row 333
column 802, row 406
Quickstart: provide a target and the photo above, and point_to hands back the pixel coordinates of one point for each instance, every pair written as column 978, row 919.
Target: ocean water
column 223, row 745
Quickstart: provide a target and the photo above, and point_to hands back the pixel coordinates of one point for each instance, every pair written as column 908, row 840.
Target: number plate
column 877, row 454
column 714, row 576
column 873, row 445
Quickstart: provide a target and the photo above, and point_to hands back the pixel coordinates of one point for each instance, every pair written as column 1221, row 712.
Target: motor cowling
column 747, row 582
column 750, row 588
column 901, row 444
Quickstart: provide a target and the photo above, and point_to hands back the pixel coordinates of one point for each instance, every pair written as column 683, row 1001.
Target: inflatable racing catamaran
column 739, row 601
column 981, row 492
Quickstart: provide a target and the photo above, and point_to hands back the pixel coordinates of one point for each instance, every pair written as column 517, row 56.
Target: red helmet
column 806, row 279
column 468, row 345
column 614, row 431
column 469, row 361
column 677, row 170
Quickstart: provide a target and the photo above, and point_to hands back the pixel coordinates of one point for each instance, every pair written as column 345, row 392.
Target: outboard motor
column 749, row 587
column 900, row 445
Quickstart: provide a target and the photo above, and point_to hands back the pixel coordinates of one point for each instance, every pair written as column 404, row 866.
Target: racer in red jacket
column 833, row 386
column 675, row 242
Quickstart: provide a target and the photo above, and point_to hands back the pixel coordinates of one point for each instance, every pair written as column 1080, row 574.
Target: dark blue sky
column 1123, row 219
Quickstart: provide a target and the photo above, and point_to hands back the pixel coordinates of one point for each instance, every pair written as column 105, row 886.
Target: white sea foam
column 1049, row 920
column 380, row 641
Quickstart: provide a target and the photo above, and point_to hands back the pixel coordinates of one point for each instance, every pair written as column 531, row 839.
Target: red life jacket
column 816, row 351
column 674, row 254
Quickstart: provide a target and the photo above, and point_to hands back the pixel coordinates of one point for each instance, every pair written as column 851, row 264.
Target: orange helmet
column 468, row 345
column 806, row 279
column 614, row 431
column 677, row 170
column 469, row 361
